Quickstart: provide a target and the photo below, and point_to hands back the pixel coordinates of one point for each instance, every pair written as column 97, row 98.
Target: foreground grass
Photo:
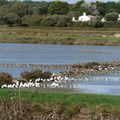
column 56, row 104
column 59, row 36
column 69, row 98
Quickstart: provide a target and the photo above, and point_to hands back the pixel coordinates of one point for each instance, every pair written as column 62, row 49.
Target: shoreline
column 71, row 69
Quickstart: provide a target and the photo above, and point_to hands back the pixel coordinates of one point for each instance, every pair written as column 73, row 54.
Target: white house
column 84, row 18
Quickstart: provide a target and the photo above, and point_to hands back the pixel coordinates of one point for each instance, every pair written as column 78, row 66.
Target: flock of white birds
column 53, row 82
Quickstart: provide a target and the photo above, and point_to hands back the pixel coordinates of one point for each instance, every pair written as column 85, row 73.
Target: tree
column 111, row 16
column 40, row 7
column 58, row 7
column 89, row 8
column 107, row 7
column 21, row 9
column 101, row 7
column 77, row 6
column 11, row 18
column 64, row 21
column 49, row 21
column 98, row 24
column 3, row 2
column 4, row 10
column 111, row 7
column 32, row 20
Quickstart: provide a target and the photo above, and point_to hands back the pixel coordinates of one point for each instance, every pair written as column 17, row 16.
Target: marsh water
column 56, row 54
column 65, row 54
column 99, row 84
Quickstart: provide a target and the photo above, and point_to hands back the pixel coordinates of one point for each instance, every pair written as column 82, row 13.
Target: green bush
column 11, row 18
column 89, row 24
column 32, row 20
column 48, row 21
column 113, row 16
column 58, row 7
column 111, row 24
column 84, row 24
column 64, row 22
column 91, row 65
column 98, row 24
column 36, row 74
column 5, row 78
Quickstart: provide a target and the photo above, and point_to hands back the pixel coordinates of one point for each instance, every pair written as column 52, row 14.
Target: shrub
column 98, row 24
column 113, row 16
column 84, row 24
column 64, row 22
column 5, row 78
column 32, row 20
column 46, row 75
column 58, row 7
column 11, row 18
column 48, row 21
column 112, row 24
column 91, row 65
column 36, row 74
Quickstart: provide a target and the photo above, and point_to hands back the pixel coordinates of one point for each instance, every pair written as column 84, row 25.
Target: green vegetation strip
column 62, row 103
column 60, row 36
column 63, row 39
column 54, row 96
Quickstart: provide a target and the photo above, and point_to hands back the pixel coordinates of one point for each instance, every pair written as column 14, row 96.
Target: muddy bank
column 72, row 69
column 92, row 68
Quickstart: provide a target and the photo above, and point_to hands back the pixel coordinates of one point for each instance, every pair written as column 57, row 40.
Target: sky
column 73, row 1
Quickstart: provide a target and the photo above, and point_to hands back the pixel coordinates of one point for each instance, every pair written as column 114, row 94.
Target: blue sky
column 73, row 1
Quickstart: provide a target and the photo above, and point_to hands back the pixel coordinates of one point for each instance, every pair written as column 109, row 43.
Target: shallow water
column 56, row 54
column 65, row 54
column 53, row 54
column 102, row 84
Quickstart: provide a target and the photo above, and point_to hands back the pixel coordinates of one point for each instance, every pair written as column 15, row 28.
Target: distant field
column 70, row 36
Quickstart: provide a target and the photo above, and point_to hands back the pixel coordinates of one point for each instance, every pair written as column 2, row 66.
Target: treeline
column 55, row 13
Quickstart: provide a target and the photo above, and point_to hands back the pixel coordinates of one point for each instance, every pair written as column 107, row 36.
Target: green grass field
column 54, row 96
column 62, row 102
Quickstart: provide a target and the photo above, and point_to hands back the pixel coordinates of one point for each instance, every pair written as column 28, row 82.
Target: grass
column 63, row 104
column 69, row 98
column 59, row 36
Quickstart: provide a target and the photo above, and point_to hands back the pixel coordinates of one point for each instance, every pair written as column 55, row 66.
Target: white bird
column 4, row 86
column 37, row 85
column 54, row 84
